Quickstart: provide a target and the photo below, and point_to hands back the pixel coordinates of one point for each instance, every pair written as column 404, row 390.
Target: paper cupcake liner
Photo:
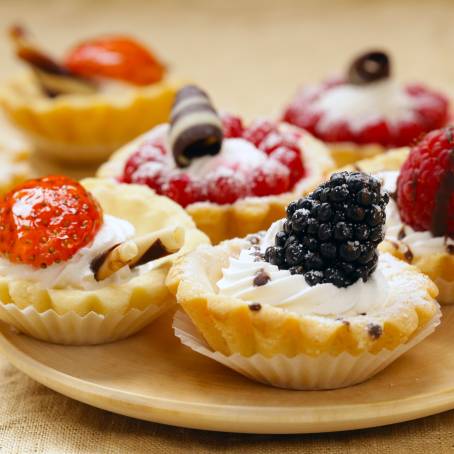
column 301, row 372
column 74, row 329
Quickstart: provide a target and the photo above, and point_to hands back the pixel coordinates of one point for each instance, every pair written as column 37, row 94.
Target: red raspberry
column 182, row 189
column 425, row 187
column 226, row 187
column 151, row 173
column 278, row 139
column 377, row 132
column 258, row 130
column 115, row 57
column 270, row 179
column 47, row 221
column 291, row 159
column 232, row 126
column 149, row 151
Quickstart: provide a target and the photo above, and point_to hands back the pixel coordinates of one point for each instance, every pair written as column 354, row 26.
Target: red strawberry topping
column 427, row 110
column 230, row 178
column 115, row 57
column 425, row 187
column 47, row 221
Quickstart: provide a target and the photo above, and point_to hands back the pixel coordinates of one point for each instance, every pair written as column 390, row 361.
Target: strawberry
column 115, row 57
column 46, row 221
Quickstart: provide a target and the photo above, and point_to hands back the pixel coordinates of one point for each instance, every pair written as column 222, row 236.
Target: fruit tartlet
column 367, row 112
column 310, row 304
column 105, row 92
column 86, row 263
column 420, row 215
column 232, row 179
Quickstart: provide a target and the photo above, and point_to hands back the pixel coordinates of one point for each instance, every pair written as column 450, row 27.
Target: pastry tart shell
column 249, row 215
column 84, row 128
column 110, row 312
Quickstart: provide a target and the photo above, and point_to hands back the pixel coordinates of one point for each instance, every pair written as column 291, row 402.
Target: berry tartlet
column 105, row 92
column 86, row 263
column 420, row 215
column 231, row 178
column 310, row 304
column 367, row 112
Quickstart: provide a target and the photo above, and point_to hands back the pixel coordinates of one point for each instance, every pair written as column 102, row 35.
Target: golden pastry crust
column 390, row 160
column 349, row 153
column 249, row 215
column 85, row 128
column 14, row 167
column 229, row 326
column 147, row 212
column 439, row 267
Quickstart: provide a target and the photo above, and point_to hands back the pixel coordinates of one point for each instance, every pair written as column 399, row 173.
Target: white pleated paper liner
column 74, row 329
column 302, row 372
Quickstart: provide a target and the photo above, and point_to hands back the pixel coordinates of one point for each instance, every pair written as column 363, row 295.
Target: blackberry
column 331, row 236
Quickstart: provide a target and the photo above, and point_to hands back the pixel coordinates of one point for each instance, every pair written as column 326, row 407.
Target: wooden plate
column 152, row 376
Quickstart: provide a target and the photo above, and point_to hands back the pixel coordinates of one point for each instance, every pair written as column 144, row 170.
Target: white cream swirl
column 293, row 293
column 76, row 272
column 419, row 243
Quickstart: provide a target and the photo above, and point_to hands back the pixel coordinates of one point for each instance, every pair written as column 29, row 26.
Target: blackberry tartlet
column 102, row 94
column 309, row 304
column 231, row 178
column 366, row 112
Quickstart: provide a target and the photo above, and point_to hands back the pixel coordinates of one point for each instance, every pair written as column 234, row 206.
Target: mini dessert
column 310, row 304
column 420, row 219
column 232, row 179
column 86, row 263
column 367, row 112
column 103, row 94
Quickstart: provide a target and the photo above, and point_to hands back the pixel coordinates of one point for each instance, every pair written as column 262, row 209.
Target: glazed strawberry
column 47, row 221
column 115, row 57
column 232, row 126
column 425, row 187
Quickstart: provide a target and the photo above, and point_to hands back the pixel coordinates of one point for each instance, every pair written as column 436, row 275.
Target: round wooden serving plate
column 152, row 376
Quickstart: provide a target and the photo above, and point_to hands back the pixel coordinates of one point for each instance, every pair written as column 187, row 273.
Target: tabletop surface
column 250, row 55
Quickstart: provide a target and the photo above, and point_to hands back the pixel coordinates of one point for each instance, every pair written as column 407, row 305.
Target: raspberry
column 115, row 57
column 182, row 189
column 428, row 110
column 425, row 187
column 149, row 151
column 291, row 159
column 226, row 186
column 232, row 126
column 258, row 130
column 271, row 178
column 332, row 235
column 47, row 221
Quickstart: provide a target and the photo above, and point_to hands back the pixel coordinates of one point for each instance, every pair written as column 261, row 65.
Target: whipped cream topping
column 76, row 272
column 361, row 105
column 410, row 241
column 257, row 281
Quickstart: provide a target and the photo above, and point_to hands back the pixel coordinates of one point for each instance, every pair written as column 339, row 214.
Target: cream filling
column 418, row 243
column 293, row 293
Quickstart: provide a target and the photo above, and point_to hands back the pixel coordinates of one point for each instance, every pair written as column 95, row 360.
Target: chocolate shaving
column 255, row 307
column 450, row 249
column 374, row 330
column 401, row 234
column 97, row 262
column 368, row 68
column 261, row 278
column 156, row 251
column 408, row 254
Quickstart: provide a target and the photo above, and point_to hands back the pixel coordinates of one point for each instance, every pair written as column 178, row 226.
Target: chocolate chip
column 401, row 234
column 368, row 68
column 255, row 307
column 408, row 254
column 374, row 330
column 450, row 249
column 261, row 278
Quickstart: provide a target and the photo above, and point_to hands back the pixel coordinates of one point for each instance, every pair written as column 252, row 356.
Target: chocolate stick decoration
column 195, row 127
column 137, row 251
column 369, row 67
column 54, row 78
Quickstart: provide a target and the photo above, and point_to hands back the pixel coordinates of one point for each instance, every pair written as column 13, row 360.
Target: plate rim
column 193, row 415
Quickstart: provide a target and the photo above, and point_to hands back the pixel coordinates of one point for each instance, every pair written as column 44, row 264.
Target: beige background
column 250, row 55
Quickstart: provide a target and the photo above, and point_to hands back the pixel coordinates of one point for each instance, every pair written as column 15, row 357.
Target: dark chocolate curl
column 195, row 127
column 369, row 67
